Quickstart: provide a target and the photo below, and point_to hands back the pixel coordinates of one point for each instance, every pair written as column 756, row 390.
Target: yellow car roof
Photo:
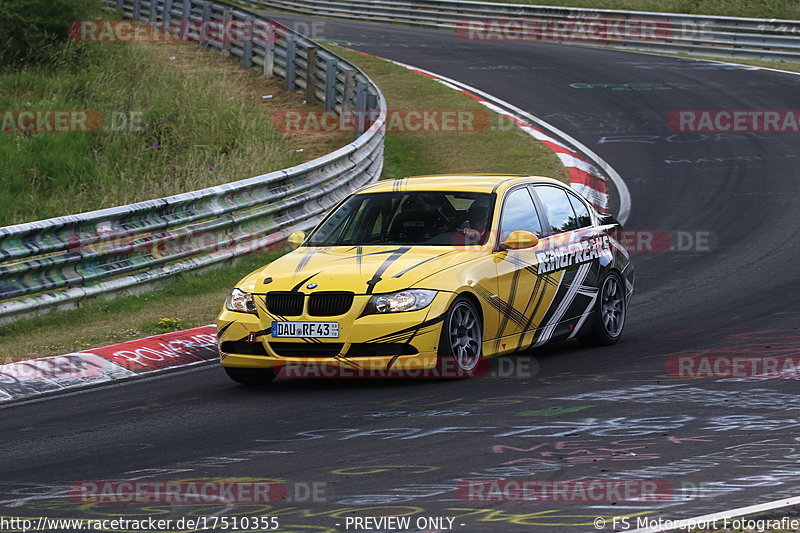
column 453, row 182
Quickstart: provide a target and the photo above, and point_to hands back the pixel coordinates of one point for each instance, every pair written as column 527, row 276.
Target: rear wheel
column 609, row 313
column 251, row 376
column 460, row 346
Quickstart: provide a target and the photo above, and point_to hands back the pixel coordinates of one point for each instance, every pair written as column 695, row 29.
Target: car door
column 574, row 251
column 523, row 295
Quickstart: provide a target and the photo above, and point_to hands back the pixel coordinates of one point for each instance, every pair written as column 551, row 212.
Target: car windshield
column 416, row 217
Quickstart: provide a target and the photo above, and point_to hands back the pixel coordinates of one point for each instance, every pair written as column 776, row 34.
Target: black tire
column 460, row 348
column 608, row 317
column 252, row 377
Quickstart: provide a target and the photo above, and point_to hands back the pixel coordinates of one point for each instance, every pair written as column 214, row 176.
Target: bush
column 32, row 31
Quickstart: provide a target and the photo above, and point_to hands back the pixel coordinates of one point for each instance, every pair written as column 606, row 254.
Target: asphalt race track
column 563, row 413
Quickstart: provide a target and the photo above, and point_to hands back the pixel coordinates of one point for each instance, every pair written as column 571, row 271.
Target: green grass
column 784, row 9
column 192, row 119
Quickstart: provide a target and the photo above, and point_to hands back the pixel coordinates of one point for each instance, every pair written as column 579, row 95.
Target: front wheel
column 609, row 313
column 460, row 346
column 252, row 377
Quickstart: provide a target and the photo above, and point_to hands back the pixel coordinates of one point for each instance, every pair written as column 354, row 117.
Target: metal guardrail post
column 187, row 10
column 349, row 89
column 203, row 30
column 269, row 54
column 311, row 74
column 291, row 66
column 120, row 4
column 226, row 31
column 247, row 45
column 137, row 9
column 362, row 91
column 152, row 13
column 166, row 15
column 330, row 84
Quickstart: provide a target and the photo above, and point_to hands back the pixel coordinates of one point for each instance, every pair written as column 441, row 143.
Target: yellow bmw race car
column 415, row 276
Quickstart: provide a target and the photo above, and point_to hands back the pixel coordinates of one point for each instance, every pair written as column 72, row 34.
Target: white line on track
column 722, row 515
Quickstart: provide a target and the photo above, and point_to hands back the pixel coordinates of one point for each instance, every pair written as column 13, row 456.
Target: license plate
column 314, row 330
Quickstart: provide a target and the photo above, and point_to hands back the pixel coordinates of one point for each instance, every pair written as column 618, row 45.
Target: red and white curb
column 35, row 377
column 589, row 174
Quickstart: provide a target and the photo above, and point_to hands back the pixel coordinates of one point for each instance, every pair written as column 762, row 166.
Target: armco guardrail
column 55, row 263
column 732, row 37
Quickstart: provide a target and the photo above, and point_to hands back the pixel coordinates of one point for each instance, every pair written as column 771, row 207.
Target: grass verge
column 194, row 299
column 175, row 119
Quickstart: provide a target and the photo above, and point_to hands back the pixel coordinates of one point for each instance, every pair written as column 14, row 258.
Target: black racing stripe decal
column 359, row 256
column 224, row 328
column 538, row 295
column 304, row 261
column 386, row 264
column 501, row 305
column 514, row 260
column 512, row 295
column 261, row 309
column 412, row 267
column 351, row 362
column 425, row 324
column 403, row 337
column 297, row 287
column 566, row 282
column 384, row 252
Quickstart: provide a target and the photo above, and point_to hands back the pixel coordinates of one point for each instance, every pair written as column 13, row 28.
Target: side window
column 581, row 212
column 519, row 213
column 559, row 211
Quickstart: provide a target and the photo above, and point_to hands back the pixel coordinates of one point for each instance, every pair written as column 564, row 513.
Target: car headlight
column 240, row 301
column 396, row 302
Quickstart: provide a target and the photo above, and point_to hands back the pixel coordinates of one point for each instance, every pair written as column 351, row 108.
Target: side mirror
column 520, row 239
column 296, row 239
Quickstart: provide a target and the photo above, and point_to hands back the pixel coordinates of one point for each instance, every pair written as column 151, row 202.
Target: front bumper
column 405, row 341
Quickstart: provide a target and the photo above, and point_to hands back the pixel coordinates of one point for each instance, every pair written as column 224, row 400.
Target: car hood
column 361, row 269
